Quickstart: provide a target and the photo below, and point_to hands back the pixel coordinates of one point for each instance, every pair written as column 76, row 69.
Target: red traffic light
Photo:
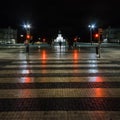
column 96, row 35
column 28, row 36
column 44, row 40
column 75, row 39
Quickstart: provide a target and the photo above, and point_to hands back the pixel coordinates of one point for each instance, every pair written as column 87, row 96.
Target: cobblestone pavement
column 60, row 84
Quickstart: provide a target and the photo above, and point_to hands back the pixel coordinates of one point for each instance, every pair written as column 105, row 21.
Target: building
column 112, row 35
column 8, row 36
column 59, row 39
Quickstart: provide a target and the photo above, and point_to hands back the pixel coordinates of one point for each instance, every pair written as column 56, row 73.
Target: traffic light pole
column 98, row 48
column 91, row 35
column 99, row 45
column 27, row 28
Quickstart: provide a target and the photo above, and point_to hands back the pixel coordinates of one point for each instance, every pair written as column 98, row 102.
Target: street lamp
column 27, row 28
column 92, row 26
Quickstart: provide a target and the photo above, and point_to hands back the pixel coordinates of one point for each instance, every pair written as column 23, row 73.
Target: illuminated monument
column 59, row 39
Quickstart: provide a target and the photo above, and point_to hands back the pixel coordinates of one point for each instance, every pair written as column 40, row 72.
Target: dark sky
column 70, row 16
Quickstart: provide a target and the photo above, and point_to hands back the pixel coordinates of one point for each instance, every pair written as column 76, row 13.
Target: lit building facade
column 112, row 35
column 59, row 39
column 8, row 36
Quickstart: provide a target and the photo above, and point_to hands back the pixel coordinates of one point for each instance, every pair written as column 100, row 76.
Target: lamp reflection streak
column 26, row 71
column 44, row 57
column 75, row 60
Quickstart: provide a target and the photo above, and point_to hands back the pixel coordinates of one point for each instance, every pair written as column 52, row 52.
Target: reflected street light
column 92, row 26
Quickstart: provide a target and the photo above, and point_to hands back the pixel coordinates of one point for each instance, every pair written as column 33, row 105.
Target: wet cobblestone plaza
column 60, row 84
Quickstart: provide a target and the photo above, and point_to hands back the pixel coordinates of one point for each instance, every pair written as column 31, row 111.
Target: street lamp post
column 27, row 28
column 92, row 26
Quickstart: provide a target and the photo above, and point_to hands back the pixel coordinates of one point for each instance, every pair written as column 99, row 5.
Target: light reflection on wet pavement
column 59, row 84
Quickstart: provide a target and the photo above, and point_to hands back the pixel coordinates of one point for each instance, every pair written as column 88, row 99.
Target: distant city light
column 21, row 35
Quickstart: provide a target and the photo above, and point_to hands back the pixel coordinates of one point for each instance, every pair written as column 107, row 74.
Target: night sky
column 47, row 17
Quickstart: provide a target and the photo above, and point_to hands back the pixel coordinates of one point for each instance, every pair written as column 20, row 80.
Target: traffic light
column 28, row 37
column 75, row 39
column 96, row 35
column 44, row 40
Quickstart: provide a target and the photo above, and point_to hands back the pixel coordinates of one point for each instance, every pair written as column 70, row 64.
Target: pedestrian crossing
column 67, row 89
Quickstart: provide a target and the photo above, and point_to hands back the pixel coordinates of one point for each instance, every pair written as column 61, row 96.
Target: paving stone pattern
column 59, row 85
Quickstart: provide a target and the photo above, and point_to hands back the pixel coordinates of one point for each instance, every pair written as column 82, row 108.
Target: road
column 59, row 84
